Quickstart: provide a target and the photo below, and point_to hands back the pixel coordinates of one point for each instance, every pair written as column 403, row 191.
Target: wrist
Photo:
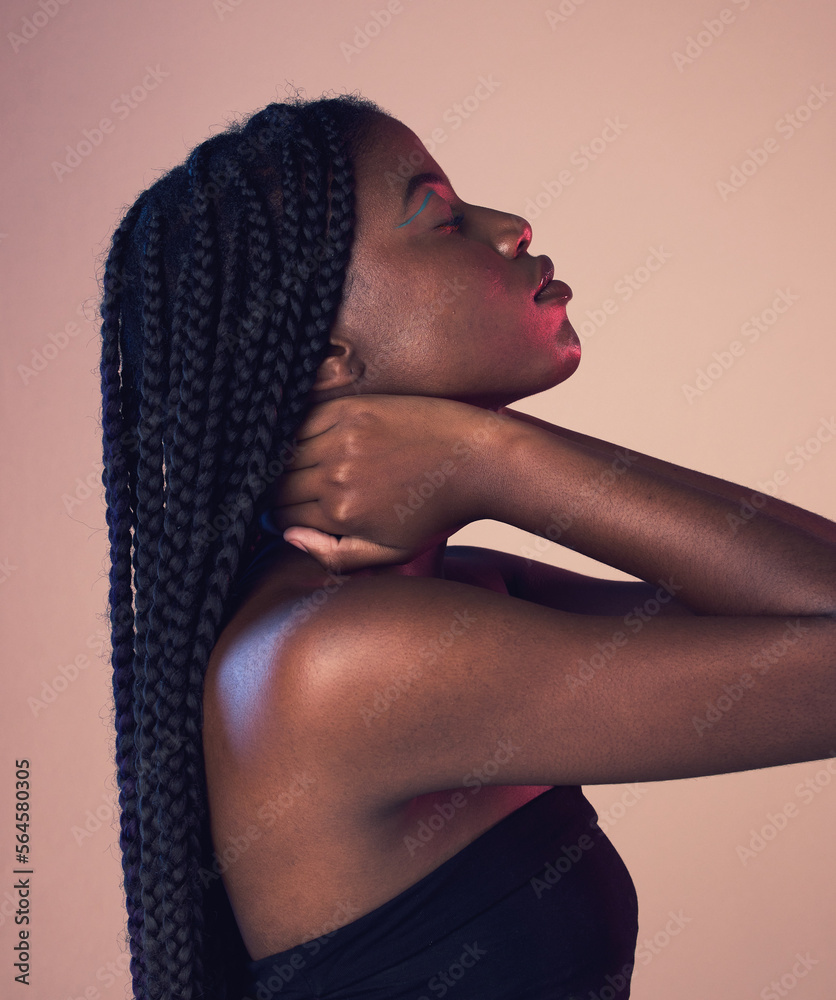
column 493, row 459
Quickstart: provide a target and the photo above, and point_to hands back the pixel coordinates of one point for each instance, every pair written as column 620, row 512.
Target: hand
column 392, row 475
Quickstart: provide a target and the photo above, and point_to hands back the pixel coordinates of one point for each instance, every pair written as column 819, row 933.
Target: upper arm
column 425, row 683
column 563, row 590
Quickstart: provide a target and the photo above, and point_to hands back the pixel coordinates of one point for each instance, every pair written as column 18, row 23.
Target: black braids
column 147, row 704
column 199, row 841
column 304, row 236
column 177, row 761
column 315, row 183
column 246, row 401
column 116, row 477
column 180, row 631
column 261, row 425
column 152, row 416
column 280, row 334
column 293, row 273
column 340, row 223
column 330, row 276
column 151, row 494
column 297, row 252
column 314, row 225
column 180, row 311
column 279, row 121
column 260, row 385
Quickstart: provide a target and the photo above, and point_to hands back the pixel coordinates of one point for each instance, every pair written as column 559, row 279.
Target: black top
column 538, row 907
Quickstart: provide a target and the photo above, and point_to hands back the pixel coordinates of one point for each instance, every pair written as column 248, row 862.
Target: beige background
column 554, row 79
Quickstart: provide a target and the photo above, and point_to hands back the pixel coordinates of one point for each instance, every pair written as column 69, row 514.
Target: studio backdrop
column 675, row 159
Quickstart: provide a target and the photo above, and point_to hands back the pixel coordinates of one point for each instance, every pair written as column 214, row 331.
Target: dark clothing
column 538, row 907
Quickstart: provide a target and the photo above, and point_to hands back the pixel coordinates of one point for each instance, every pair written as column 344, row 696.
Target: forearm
column 749, row 502
column 660, row 522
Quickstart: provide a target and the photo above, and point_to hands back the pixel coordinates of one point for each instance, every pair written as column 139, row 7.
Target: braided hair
column 220, row 288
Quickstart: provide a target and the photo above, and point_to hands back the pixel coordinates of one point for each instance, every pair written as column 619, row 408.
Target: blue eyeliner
column 421, row 209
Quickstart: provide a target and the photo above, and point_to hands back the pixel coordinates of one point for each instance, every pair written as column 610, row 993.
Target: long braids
column 216, row 311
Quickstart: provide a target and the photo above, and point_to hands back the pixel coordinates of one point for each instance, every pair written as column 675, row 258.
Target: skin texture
column 396, row 331
column 438, row 311
column 412, row 438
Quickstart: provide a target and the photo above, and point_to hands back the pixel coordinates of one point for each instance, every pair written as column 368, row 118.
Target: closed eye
column 453, row 224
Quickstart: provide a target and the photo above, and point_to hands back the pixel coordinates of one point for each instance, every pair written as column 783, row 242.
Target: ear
column 340, row 368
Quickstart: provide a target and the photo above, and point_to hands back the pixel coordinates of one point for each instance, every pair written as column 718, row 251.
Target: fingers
column 304, row 515
column 322, row 418
column 344, row 554
column 297, row 486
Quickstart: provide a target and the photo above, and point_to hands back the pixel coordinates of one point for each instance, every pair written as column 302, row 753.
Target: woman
column 365, row 747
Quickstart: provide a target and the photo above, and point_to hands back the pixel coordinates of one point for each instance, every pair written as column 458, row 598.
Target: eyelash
column 453, row 224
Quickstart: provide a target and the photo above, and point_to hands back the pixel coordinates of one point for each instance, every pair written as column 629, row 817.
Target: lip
column 546, row 269
column 547, row 287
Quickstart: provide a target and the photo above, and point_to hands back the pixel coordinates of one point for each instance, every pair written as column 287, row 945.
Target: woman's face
column 436, row 309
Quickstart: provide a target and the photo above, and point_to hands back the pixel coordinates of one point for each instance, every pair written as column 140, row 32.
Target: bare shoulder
column 421, row 679
column 363, row 700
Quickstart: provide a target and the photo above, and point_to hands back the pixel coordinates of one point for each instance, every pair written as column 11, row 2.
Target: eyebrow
column 415, row 182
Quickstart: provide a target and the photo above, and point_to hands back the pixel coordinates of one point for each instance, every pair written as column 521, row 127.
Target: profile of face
column 440, row 295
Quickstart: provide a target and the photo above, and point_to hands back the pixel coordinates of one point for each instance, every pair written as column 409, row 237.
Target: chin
column 570, row 354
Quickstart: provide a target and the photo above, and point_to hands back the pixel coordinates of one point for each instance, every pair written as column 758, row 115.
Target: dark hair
column 220, row 288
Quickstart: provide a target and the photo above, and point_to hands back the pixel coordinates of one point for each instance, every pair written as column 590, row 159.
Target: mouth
column 547, row 287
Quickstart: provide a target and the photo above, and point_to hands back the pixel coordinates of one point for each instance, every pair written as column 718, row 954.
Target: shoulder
column 396, row 686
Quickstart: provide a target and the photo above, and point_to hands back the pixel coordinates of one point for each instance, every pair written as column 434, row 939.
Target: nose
column 513, row 235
